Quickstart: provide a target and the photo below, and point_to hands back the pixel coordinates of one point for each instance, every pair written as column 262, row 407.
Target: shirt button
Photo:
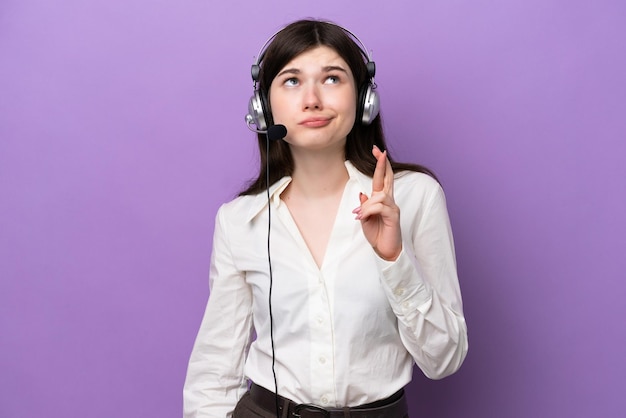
column 320, row 320
column 322, row 360
column 406, row 305
column 399, row 291
column 324, row 400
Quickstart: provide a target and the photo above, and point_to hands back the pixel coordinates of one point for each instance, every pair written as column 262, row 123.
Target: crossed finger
column 382, row 181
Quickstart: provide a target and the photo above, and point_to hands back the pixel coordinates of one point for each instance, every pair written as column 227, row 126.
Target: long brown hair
column 293, row 40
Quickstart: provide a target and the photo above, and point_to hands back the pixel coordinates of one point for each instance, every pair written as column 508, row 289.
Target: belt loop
column 346, row 412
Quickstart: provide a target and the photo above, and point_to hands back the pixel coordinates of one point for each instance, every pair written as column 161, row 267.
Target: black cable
column 269, row 261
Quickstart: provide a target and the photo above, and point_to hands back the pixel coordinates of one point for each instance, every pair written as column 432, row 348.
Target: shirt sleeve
column 215, row 378
column 423, row 290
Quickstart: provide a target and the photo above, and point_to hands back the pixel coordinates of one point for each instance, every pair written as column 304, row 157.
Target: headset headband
column 371, row 66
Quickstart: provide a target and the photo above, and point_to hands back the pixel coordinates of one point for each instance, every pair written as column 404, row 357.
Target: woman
column 361, row 283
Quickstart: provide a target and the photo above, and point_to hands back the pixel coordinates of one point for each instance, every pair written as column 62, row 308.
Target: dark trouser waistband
column 393, row 407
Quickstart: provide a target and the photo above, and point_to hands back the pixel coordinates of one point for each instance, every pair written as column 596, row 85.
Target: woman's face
column 314, row 96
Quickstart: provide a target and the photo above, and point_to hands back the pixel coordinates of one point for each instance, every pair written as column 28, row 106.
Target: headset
column 368, row 105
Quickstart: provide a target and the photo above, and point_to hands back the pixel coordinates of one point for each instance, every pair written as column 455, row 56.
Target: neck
column 319, row 174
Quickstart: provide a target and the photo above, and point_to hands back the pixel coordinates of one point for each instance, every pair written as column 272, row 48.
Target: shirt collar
column 259, row 202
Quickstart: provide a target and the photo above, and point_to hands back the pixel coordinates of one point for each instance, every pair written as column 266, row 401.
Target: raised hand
column 379, row 214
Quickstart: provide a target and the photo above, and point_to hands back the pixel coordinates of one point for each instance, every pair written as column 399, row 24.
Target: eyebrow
column 327, row 69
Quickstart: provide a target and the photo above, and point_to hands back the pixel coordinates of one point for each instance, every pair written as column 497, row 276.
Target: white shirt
column 344, row 334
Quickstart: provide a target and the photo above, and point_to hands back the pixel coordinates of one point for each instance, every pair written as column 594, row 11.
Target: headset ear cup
column 267, row 111
column 257, row 111
column 360, row 104
column 369, row 104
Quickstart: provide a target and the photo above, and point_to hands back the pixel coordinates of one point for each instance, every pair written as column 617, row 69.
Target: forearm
column 431, row 329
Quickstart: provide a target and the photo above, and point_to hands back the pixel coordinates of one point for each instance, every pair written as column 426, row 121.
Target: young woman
column 357, row 282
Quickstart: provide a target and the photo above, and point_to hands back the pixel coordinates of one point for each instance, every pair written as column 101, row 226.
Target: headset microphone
column 274, row 132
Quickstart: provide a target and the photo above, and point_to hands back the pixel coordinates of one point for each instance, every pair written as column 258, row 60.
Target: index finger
column 378, row 180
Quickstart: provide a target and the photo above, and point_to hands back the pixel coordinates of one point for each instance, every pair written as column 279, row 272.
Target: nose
column 312, row 99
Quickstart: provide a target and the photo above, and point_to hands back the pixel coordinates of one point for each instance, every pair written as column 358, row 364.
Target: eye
column 332, row 79
column 290, row 82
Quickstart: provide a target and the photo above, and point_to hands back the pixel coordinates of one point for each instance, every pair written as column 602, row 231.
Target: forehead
column 320, row 56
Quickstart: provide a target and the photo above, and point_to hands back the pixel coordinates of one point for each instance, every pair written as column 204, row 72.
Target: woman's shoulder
column 416, row 191
column 416, row 181
column 237, row 207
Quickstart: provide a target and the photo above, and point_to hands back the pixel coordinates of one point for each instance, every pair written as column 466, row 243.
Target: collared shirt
column 344, row 334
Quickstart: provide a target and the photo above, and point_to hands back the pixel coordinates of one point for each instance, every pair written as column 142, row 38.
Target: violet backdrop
column 121, row 132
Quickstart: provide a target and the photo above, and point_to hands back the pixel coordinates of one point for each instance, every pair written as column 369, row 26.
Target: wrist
column 389, row 256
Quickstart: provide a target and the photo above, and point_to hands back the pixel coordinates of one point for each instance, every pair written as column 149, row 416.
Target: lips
column 316, row 122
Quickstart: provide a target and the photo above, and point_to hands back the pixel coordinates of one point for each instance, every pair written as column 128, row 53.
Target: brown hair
column 293, row 40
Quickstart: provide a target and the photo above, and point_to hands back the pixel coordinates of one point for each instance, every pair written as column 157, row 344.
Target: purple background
column 121, row 131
